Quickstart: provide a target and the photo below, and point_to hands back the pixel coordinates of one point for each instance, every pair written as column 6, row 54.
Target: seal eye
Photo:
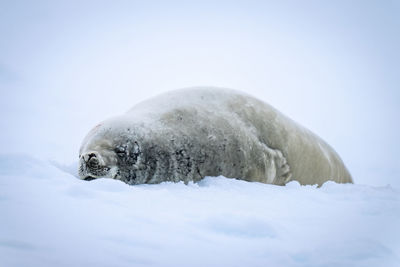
column 120, row 151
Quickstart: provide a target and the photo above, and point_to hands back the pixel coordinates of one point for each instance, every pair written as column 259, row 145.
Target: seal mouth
column 89, row 178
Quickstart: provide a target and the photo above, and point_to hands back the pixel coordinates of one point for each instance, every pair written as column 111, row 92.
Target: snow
column 51, row 218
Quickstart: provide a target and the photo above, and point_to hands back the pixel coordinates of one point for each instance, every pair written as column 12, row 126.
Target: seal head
column 111, row 150
column 97, row 157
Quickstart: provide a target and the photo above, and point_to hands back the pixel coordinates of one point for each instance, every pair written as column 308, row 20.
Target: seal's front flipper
column 277, row 168
column 283, row 173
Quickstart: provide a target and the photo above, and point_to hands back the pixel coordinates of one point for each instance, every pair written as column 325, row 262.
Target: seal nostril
column 90, row 158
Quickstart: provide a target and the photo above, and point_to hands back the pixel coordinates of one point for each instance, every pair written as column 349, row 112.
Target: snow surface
column 51, row 218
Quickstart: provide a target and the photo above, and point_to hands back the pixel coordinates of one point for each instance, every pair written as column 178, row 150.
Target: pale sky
column 333, row 66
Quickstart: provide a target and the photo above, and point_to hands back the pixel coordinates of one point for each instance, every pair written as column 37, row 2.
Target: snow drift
column 51, row 218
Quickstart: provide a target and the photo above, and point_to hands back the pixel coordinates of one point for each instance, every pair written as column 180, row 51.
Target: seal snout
column 91, row 166
column 92, row 159
column 89, row 156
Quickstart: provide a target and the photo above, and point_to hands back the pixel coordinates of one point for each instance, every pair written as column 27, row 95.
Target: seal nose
column 93, row 159
column 89, row 156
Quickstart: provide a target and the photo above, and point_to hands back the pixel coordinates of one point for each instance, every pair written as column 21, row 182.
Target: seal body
column 187, row 134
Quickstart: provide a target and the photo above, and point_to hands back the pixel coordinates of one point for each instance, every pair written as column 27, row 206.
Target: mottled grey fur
column 188, row 134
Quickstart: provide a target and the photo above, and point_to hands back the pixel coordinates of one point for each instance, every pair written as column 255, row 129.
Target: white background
column 331, row 66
